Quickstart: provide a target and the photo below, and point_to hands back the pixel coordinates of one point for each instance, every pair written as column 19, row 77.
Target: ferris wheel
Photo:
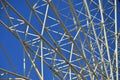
column 62, row 39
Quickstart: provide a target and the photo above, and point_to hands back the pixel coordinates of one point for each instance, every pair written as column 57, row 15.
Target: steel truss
column 76, row 40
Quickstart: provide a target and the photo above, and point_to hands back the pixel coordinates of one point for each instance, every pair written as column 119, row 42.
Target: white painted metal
column 75, row 40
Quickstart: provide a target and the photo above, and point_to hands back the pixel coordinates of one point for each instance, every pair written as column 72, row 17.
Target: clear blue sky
column 13, row 47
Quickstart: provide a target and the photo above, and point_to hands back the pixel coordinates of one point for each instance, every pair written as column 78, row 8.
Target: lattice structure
column 75, row 39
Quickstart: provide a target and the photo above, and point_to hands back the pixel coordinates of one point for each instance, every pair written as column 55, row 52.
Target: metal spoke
column 64, row 40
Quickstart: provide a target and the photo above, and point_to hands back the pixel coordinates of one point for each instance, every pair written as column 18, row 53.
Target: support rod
column 116, row 41
column 12, row 73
